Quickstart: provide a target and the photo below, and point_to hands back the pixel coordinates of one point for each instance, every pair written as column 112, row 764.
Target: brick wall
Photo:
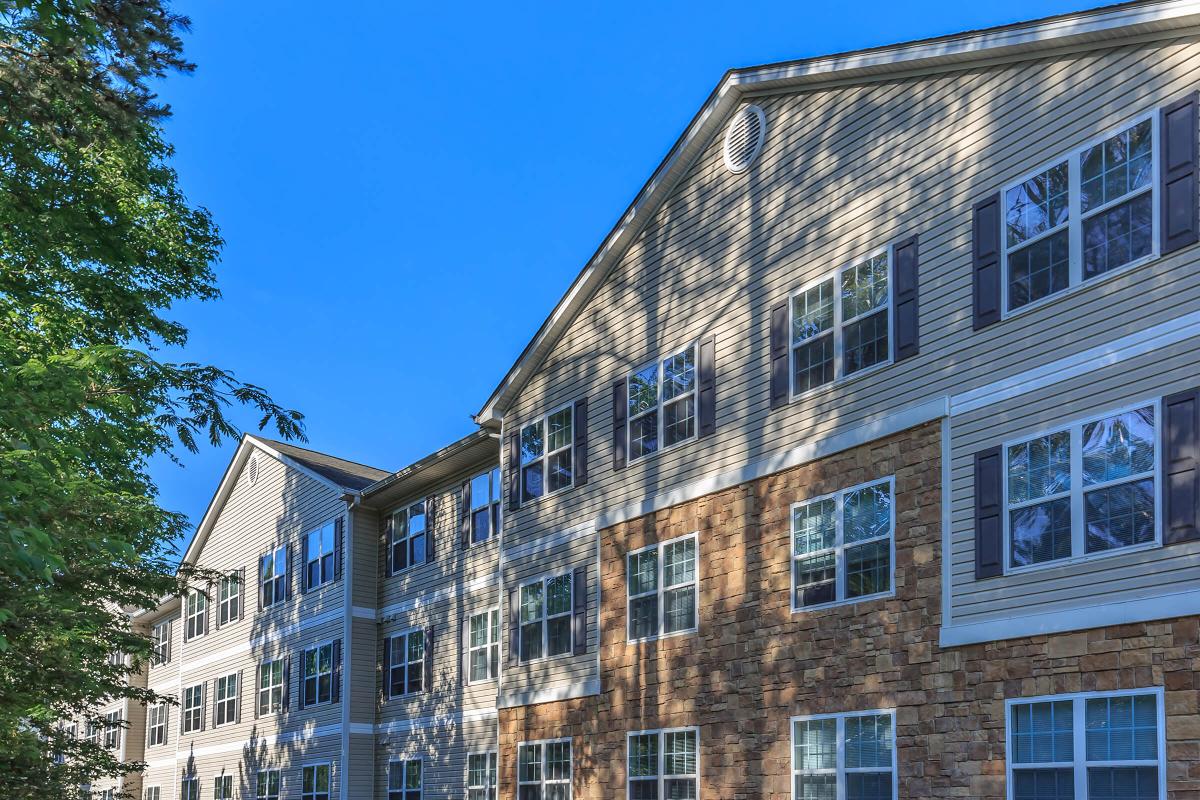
column 754, row 664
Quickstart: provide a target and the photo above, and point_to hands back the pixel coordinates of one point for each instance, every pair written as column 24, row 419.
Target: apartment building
column 859, row 462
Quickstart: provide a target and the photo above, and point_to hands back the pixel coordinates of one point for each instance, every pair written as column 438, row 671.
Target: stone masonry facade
column 754, row 664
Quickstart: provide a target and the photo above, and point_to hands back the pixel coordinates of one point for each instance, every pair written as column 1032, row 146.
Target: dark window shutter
column 429, row 659
column 431, row 515
column 303, row 564
column 300, row 680
column 464, row 518
column 464, row 662
column 514, row 629
column 259, row 590
column 985, row 261
column 339, row 534
column 514, row 471
column 620, row 409
column 989, row 532
column 387, row 668
column 254, row 689
column 203, row 705
column 287, row 683
column 906, row 318
column 337, row 671
column 780, row 383
column 241, row 593
column 291, row 569
column 237, row 708
column 706, row 387
column 581, row 449
column 1178, row 176
column 1181, row 466
column 387, row 542
column 579, row 583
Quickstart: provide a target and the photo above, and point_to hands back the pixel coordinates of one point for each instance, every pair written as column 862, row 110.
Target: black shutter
column 259, row 590
column 303, row 564
column 780, row 384
column 203, row 705
column 339, row 533
column 337, row 671
column 431, row 512
column 464, row 661
column 387, row 542
column 1178, row 190
column 287, row 683
column 989, row 532
column 905, row 322
column 579, row 584
column 300, row 679
column 429, row 659
column 514, row 629
column 620, row 409
column 581, row 450
column 387, row 668
column 254, row 689
column 985, row 261
column 464, row 518
column 1181, row 466
column 514, row 471
column 291, row 569
column 706, row 387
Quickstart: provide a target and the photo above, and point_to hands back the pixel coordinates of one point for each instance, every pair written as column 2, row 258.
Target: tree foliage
column 96, row 243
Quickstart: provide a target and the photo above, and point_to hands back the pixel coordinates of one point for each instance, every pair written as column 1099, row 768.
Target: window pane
column 531, row 481
column 1115, row 167
column 1043, row 784
column 865, row 287
column 1038, row 270
column 1122, row 728
column 643, row 572
column 529, row 765
column 868, row 513
column 643, row 435
column 558, row 470
column 416, row 518
column 1042, row 733
column 679, row 562
column 679, row 789
column 531, row 641
column 1122, row 783
column 481, row 528
column 1119, row 446
column 815, row 526
column 1037, row 205
column 869, row 741
column 643, row 789
column 1039, row 468
column 869, row 786
column 1118, row 235
column 812, row 364
column 679, row 420
column 643, row 755
column 679, row 609
column 559, row 435
column 816, row 580
column 558, row 595
column 1120, row 516
column 865, row 342
column 679, row 374
column 558, row 761
column 816, row 787
column 481, row 492
column 812, row 312
column 532, row 443
column 412, row 775
column 558, row 633
column 1041, row 533
column 679, row 753
column 643, row 616
column 531, row 601
column 815, row 743
column 643, row 390
column 479, row 630
column 869, row 568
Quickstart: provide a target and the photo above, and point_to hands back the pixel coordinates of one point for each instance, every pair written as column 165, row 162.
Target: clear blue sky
column 407, row 189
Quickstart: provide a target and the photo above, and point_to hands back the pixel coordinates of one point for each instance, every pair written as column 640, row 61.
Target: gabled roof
column 1094, row 28
column 347, row 474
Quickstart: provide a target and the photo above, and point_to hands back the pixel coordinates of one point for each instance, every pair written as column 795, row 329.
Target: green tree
column 96, row 243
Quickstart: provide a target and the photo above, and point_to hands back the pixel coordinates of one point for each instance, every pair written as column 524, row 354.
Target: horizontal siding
column 443, row 751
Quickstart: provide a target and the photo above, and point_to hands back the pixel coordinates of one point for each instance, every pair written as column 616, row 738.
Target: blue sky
column 407, row 189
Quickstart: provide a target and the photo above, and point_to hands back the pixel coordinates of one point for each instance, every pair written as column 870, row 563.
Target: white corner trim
column 576, row 689
column 550, row 542
column 439, row 595
column 876, row 428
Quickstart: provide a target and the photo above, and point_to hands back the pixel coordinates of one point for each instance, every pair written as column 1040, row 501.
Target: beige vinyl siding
column 243, row 763
column 363, row 564
column 360, row 772
column 361, row 672
column 844, row 171
column 1115, row 578
column 443, row 750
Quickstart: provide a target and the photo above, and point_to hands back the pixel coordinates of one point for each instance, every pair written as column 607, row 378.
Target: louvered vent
column 252, row 470
column 744, row 138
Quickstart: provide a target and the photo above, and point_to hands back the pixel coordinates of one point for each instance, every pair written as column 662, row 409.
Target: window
column 197, row 615
column 404, row 780
column 266, row 785
column 92, row 734
column 544, row 770
column 483, row 646
column 662, row 589
column 112, row 730
column 481, row 776
column 842, row 548
column 318, row 556
column 1100, row 747
column 106, row 794
column 662, row 403
column 318, row 675
column 189, row 789
column 664, row 764
column 270, row 687
column 193, row 708
column 845, row 756
column 230, row 607
column 407, row 663
column 547, row 447
column 161, row 635
column 315, row 783
column 156, row 725
column 1083, row 490
column 485, row 506
column 152, row 793
column 408, row 537
column 1081, row 217
column 273, row 572
column 225, row 708
column 545, row 616
column 69, row 731
column 223, row 787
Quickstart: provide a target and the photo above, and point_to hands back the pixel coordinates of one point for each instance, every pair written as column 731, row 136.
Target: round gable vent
column 744, row 138
column 252, row 470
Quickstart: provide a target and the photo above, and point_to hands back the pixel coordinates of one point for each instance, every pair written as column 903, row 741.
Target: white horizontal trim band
column 440, row 721
column 361, row 612
column 269, row 740
column 577, row 689
column 435, row 596
column 274, row 636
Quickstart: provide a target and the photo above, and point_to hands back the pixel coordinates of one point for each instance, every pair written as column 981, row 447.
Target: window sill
column 482, row 681
column 1071, row 291
column 545, row 659
column 660, row 636
column 838, row 383
column 848, row 602
column 1086, row 558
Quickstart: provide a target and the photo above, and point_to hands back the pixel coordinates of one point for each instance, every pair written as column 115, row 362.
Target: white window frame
column 228, row 704
column 694, row 346
column 406, row 511
column 329, row 793
column 544, row 458
column 259, row 793
column 840, row 546
column 156, row 730
column 662, row 759
column 839, row 324
column 316, row 675
column 495, row 492
column 1078, row 490
column 1079, row 738
column 403, row 763
column 1075, row 215
column 493, row 644
column 195, row 690
column 229, row 608
column 161, row 635
column 544, row 782
column 270, row 689
column 661, row 589
column 841, row 770
column 218, row 780
column 319, row 557
column 197, row 615
column 490, row 789
column 393, row 665
column 152, row 793
column 545, row 617
column 112, row 730
column 278, row 580
column 189, row 788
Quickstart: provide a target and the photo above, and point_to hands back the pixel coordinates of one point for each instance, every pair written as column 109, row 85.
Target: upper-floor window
column 1090, row 745
column 156, row 724
column 481, row 776
column 319, row 556
column 112, row 730
column 317, row 680
column 408, row 537
column 842, row 546
column 544, row 770
column 665, row 764
column 1082, row 490
column 270, row 686
column 266, row 785
column 662, row 403
column 485, row 505
column 193, row 708
column 229, row 608
column 483, row 646
column 91, row 734
column 161, row 647
column 545, row 617
column 662, row 589
column 406, row 668
column 223, row 787
column 197, row 615
column 273, row 577
column 225, row 700
column 845, row 755
column 1082, row 216
column 189, row 789
column 314, row 782
column 547, row 450
column 404, row 779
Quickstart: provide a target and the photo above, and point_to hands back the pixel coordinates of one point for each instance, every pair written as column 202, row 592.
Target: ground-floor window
column 664, row 764
column 544, row 770
column 189, row 789
column 481, row 776
column 844, row 756
column 266, row 785
column 152, row 793
column 315, row 782
column 404, row 779
column 223, row 787
column 1106, row 746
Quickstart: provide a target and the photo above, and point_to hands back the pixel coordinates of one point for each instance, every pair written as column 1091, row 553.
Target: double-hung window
column 197, row 614
column 662, row 589
column 404, row 779
column 840, row 323
column 1082, row 490
column 230, row 606
column 156, row 724
column 662, row 403
column 481, row 776
column 842, row 546
column 266, row 785
column 189, row 789
column 193, row 708
column 547, row 452
column 1095, row 746
column 318, row 675
column 161, row 652
column 844, row 756
column 483, row 646
column 1082, row 216
column 545, row 618
column 91, row 734
column 408, row 537
column 152, row 793
column 664, row 764
column 314, row 782
column 273, row 569
column 407, row 669
column 544, row 770
column 318, row 556
column 112, row 730
column 225, row 700
column 270, row 687
column 485, row 506
column 223, row 787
